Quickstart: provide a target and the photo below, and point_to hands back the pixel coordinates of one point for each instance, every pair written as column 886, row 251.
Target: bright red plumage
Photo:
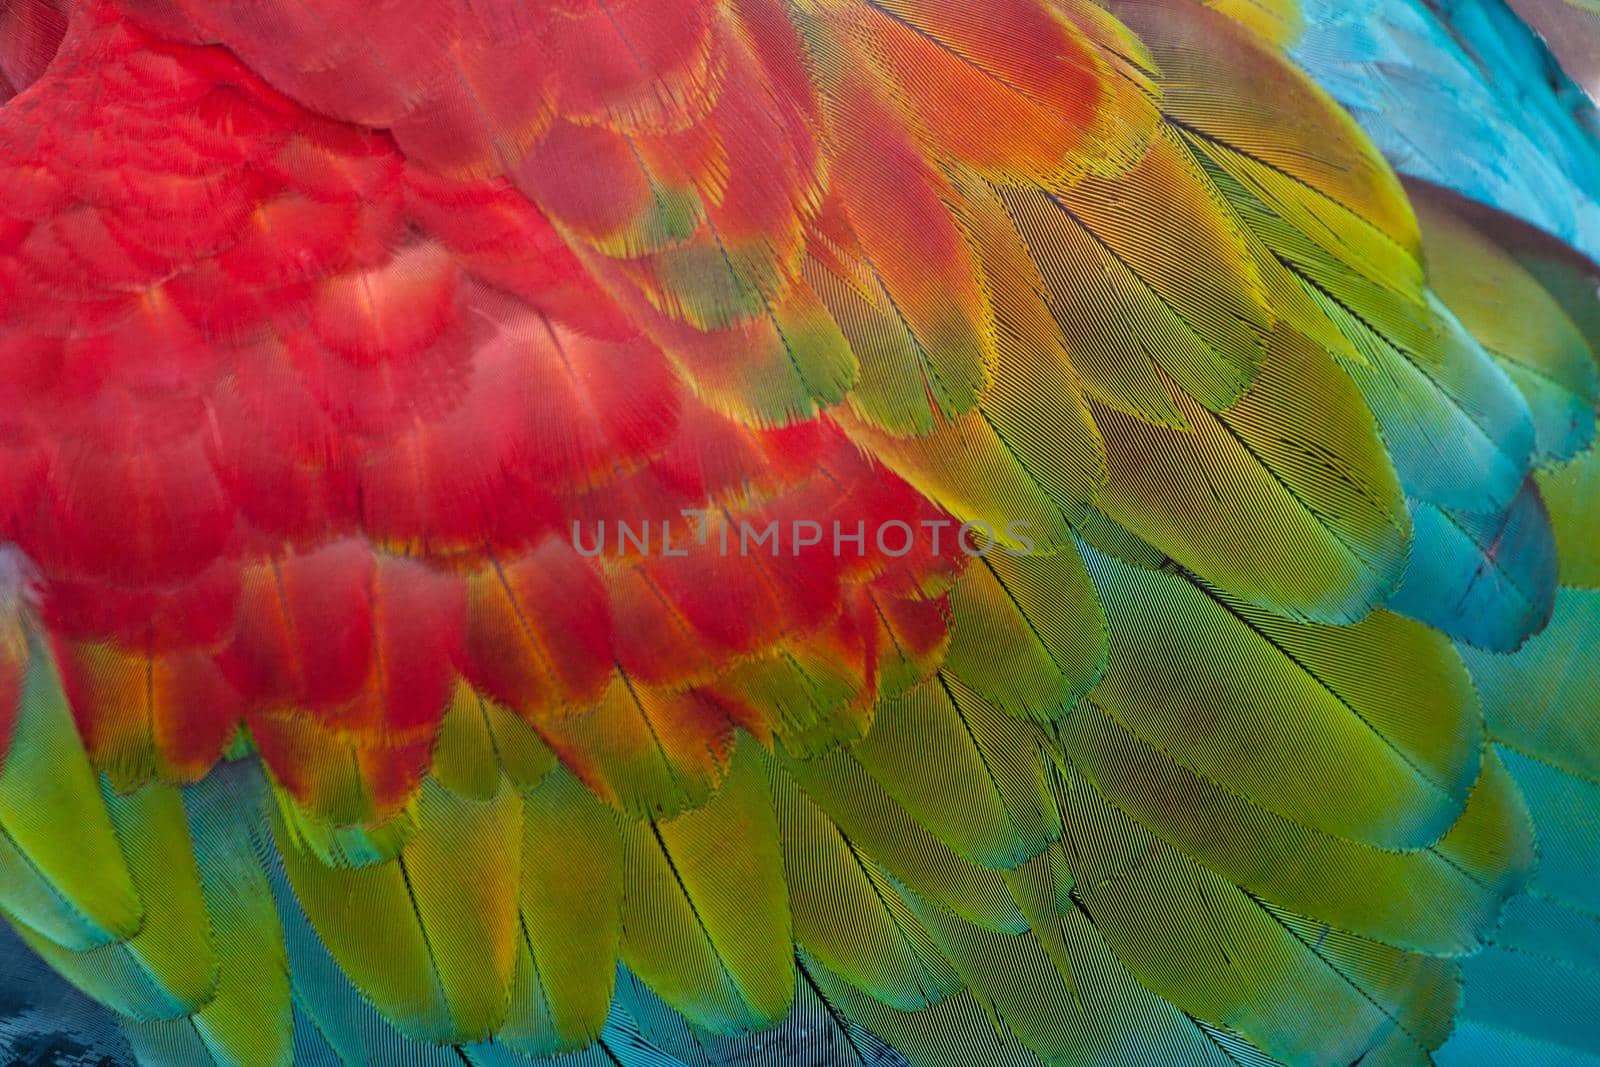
column 305, row 461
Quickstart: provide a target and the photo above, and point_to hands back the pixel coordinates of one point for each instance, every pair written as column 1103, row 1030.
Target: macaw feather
column 1419, row 754
column 78, row 893
column 705, row 917
column 1566, row 491
column 169, row 968
column 886, row 532
column 1487, row 580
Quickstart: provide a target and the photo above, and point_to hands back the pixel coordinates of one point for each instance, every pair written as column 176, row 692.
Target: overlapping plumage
column 778, row 531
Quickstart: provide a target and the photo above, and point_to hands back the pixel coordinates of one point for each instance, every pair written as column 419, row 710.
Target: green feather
column 882, row 829
column 570, row 906
column 1287, row 499
column 705, row 915
column 74, row 889
column 1029, row 635
column 847, row 914
column 169, row 969
column 249, row 1021
column 1382, row 706
column 991, row 760
column 430, row 936
column 1442, row 900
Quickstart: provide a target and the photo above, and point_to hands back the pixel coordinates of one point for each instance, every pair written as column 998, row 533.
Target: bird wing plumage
column 455, row 461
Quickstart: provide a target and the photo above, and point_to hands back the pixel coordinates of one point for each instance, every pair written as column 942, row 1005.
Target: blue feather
column 1462, row 93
